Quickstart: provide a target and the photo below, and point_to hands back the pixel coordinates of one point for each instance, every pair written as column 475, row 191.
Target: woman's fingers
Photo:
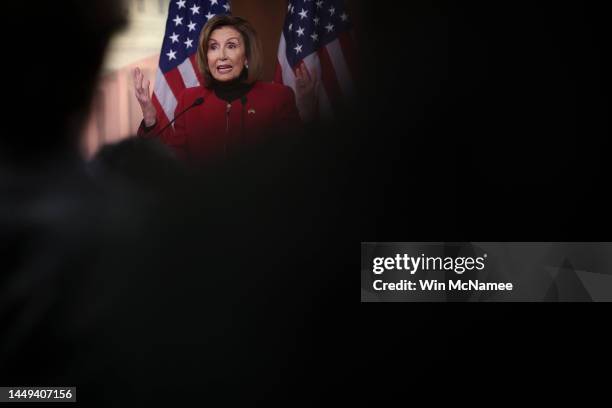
column 138, row 79
column 303, row 79
column 141, row 86
column 305, row 72
column 135, row 74
column 142, row 93
column 308, row 81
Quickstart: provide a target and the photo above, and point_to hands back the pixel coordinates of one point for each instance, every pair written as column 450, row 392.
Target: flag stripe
column 188, row 74
column 175, row 82
column 194, row 64
column 162, row 120
column 348, row 50
column 165, row 96
column 313, row 64
column 343, row 75
column 288, row 75
column 329, row 80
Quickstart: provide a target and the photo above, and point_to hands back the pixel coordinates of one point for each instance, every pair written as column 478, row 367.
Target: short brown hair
column 251, row 41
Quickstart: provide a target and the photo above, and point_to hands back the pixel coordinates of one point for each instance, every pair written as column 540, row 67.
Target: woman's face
column 226, row 54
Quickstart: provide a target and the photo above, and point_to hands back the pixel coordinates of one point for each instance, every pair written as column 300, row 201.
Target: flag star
column 344, row 17
column 300, row 32
column 330, row 27
column 192, row 26
column 195, row 9
column 316, row 20
column 181, row 4
column 209, row 15
column 188, row 43
column 171, row 55
column 292, row 9
column 332, row 11
column 226, row 7
column 178, row 21
column 298, row 49
column 314, row 36
column 289, row 7
column 174, row 37
column 303, row 14
column 319, row 4
column 290, row 26
column 213, row 2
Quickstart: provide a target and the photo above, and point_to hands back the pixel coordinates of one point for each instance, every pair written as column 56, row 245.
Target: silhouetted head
column 55, row 73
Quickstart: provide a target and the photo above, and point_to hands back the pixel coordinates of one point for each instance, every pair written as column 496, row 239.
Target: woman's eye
column 232, row 46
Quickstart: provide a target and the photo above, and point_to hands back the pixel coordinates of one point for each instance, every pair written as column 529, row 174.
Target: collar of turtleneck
column 232, row 90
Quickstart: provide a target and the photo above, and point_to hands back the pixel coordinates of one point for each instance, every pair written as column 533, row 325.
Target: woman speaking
column 233, row 108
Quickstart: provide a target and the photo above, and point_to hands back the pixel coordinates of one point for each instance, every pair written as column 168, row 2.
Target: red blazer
column 215, row 128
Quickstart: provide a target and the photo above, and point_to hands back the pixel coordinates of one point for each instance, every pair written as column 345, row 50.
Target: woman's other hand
column 143, row 95
column 306, row 93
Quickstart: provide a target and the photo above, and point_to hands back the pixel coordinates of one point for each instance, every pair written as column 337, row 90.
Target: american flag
column 177, row 65
column 319, row 32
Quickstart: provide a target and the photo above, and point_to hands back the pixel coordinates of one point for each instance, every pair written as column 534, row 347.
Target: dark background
column 476, row 122
column 486, row 121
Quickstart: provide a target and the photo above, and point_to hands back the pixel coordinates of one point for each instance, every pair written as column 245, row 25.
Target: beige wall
column 116, row 114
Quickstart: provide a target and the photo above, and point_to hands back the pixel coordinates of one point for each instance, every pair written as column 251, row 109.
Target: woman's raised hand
column 143, row 95
column 306, row 93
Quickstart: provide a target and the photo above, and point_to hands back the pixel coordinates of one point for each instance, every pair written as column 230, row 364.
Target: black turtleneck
column 232, row 90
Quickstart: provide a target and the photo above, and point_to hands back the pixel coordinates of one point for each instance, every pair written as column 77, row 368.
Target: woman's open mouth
column 224, row 69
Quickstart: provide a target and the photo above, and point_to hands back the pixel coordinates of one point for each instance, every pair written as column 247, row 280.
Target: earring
column 246, row 65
